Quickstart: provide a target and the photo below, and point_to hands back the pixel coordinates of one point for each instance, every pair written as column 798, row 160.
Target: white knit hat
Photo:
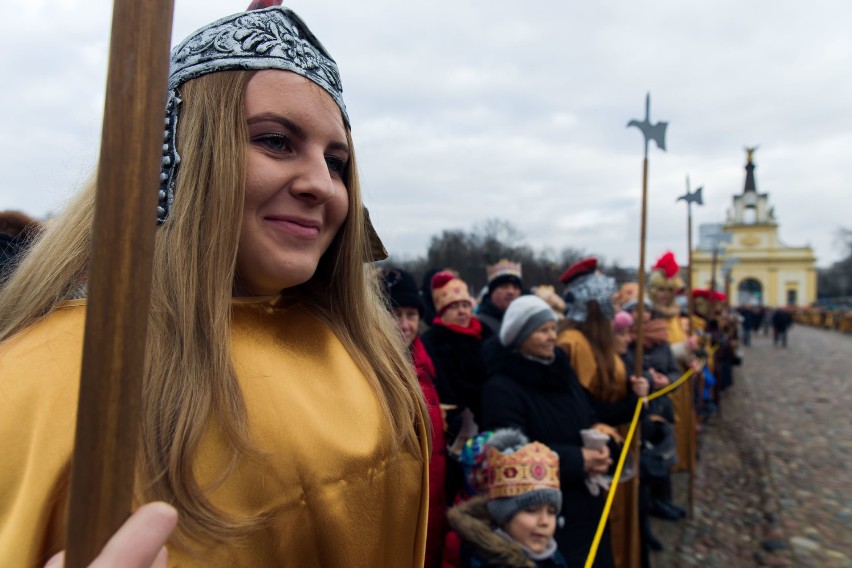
column 523, row 316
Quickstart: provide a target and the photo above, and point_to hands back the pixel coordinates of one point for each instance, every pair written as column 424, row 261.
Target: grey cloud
column 464, row 111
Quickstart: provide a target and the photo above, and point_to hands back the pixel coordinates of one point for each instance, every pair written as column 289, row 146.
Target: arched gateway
column 750, row 292
column 759, row 268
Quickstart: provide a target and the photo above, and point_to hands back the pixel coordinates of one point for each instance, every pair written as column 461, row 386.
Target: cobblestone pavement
column 774, row 479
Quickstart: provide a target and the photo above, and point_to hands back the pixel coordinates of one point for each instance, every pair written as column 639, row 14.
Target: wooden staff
column 690, row 405
column 657, row 133
column 640, row 314
column 119, row 284
column 691, row 198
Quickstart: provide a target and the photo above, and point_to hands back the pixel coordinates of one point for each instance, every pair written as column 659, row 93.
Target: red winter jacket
column 438, row 461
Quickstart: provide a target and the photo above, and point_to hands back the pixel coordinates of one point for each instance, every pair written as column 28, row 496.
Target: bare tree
column 836, row 281
column 468, row 253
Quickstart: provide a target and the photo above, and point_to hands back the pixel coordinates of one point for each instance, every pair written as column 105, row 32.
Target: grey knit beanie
column 502, row 510
column 523, row 316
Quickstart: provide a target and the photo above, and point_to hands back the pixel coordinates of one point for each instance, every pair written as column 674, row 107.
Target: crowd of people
column 759, row 319
column 285, row 419
column 559, row 369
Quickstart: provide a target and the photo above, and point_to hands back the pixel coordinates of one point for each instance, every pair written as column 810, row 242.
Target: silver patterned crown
column 270, row 38
column 588, row 287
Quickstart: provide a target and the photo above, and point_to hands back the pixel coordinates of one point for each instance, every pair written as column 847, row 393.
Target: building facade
column 745, row 258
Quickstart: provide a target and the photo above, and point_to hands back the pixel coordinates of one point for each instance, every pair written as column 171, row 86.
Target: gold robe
column 335, row 493
column 682, row 401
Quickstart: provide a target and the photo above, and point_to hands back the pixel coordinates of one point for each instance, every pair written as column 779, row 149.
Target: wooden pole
column 654, row 132
column 119, row 284
column 691, row 384
column 712, row 314
column 690, row 298
column 634, row 545
column 640, row 307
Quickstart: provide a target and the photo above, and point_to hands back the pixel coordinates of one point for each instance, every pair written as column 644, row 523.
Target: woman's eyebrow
column 294, row 128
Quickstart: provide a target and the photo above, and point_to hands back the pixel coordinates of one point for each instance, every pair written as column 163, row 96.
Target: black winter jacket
column 459, row 367
column 660, row 358
column 548, row 404
column 490, row 316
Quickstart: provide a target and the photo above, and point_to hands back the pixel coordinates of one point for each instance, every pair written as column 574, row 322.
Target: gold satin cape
column 334, row 491
column 683, row 405
column 676, row 331
column 573, row 342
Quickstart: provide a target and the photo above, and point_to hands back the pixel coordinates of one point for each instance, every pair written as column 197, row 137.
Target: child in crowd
column 513, row 524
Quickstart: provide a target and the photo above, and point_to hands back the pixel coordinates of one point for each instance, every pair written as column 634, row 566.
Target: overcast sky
column 468, row 110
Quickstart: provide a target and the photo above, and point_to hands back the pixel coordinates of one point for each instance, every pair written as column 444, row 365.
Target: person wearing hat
column 548, row 293
column 622, row 326
column 658, row 360
column 533, row 388
column 664, row 283
column 587, row 336
column 512, row 525
column 455, row 344
column 407, row 309
column 504, row 285
column 660, row 369
column 280, row 416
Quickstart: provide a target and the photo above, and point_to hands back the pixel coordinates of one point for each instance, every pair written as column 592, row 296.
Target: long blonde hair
column 189, row 377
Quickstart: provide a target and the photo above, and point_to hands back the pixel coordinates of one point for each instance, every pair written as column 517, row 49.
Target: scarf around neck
column 474, row 328
column 668, row 311
column 654, row 333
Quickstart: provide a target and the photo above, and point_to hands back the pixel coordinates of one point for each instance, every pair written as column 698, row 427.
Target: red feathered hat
column 668, row 265
column 707, row 294
column 579, row 268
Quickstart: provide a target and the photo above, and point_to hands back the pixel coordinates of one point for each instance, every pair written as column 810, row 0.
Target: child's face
column 533, row 527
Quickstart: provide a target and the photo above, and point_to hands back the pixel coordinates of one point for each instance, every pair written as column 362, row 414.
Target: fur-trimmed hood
column 473, row 524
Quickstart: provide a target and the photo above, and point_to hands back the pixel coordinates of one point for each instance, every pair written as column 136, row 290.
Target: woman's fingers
column 56, row 561
column 640, row 386
column 139, row 543
column 162, row 560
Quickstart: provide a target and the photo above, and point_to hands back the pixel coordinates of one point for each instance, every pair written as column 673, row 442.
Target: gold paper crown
column 503, row 267
column 548, row 293
column 534, row 466
column 454, row 290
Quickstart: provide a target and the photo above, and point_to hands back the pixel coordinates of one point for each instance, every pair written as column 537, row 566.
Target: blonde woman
column 280, row 415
